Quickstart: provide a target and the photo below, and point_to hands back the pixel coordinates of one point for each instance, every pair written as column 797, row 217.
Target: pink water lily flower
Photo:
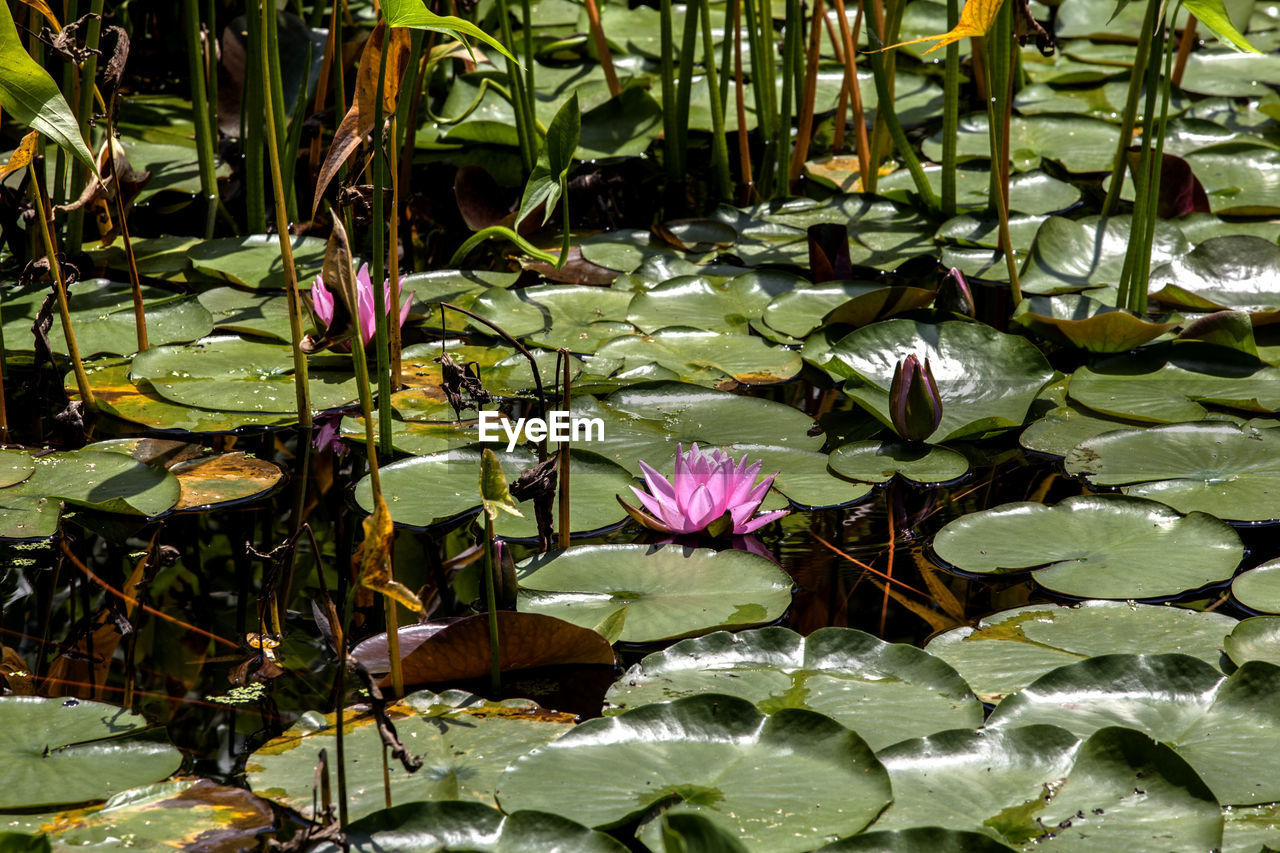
column 707, row 486
column 322, row 299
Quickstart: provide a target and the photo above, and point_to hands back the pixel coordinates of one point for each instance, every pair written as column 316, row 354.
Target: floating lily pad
column 471, row 827
column 1170, row 384
column 668, row 591
column 254, row 261
column 931, row 838
column 102, row 318
column 191, row 814
column 697, row 751
column 138, row 402
column 1063, row 427
column 1251, row 829
column 458, row 650
column 1086, row 324
column 97, row 479
column 706, row 358
column 425, row 490
column 880, row 461
column 1095, row 546
column 1256, row 638
column 1240, row 273
column 69, row 751
column 702, row 303
column 1225, row 470
column 15, row 466
column 264, row 315
column 1070, row 255
column 882, row 234
column 805, row 306
column 1029, row 192
column 234, row 374
column 575, row 317
column 885, row 692
column 1011, row 649
column 1079, row 143
column 1012, row 783
column 1230, row 73
column 1259, row 588
column 1222, row 726
column 464, row 741
column 224, row 478
column 1241, row 179
column 986, row 379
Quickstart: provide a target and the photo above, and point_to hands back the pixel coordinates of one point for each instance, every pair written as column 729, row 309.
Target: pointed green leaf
column 414, row 14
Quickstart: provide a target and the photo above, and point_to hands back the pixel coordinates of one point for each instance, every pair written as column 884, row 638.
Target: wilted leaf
column 21, row 156
column 976, row 18
column 494, row 494
column 375, row 557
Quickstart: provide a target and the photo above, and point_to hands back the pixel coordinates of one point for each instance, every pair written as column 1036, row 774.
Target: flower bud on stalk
column 914, row 405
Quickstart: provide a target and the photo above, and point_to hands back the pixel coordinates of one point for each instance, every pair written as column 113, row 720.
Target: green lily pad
column 1230, row 73
column 15, row 466
column 1011, row 649
column 102, row 318
column 68, row 751
column 696, row 751
column 668, row 592
column 1036, row 787
column 139, row 403
column 1069, row 255
column 464, row 741
column 1259, row 588
column 931, row 838
column 701, row 303
column 172, row 167
column 1256, row 638
column 471, row 827
column 192, row 814
column 1106, row 101
column 804, row 306
column 1241, row 179
column 575, row 317
column 1220, row 725
column 702, row 357
column 1171, row 384
column 163, row 257
column 425, row 490
column 1029, row 192
column 1063, row 427
column 880, row 461
column 254, row 261
column 882, row 234
column 238, row 375
column 1228, row 471
column 1086, row 324
column 265, row 315
column 1251, row 829
column 1240, row 273
column 1079, row 143
column 98, row 479
column 986, row 379
column 1095, row 546
column 885, row 692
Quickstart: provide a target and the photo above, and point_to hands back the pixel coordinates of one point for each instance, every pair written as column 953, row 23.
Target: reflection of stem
column 884, row 606
column 60, row 287
column 495, row 659
column 300, row 379
column 562, row 454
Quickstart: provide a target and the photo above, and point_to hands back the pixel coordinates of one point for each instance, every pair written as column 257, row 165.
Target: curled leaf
column 494, row 494
column 375, row 557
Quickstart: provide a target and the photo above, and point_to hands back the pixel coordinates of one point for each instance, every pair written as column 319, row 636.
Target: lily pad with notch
column 1072, row 255
column 1238, row 273
column 1095, row 546
column 885, row 692
column 668, row 591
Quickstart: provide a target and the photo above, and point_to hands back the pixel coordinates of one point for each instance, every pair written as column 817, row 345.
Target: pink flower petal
column 322, row 301
column 759, row 521
column 700, row 512
column 658, row 485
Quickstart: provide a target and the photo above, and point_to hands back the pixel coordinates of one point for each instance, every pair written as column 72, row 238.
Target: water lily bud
column 954, row 294
column 914, row 405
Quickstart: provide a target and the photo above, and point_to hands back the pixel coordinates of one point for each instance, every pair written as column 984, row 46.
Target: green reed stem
column 999, row 50
column 726, row 54
column 792, row 47
column 670, row 114
column 205, row 154
column 251, row 126
column 526, row 130
column 491, row 599
column 381, row 339
column 1141, row 57
column 301, row 386
column 950, row 114
column 270, row 28
column 684, row 88
column 886, row 111
column 84, row 114
column 721, row 183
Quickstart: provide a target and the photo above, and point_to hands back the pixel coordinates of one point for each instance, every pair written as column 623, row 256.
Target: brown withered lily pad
column 224, row 478
column 458, row 650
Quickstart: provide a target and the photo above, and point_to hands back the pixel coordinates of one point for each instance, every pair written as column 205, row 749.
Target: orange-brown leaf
column 43, row 8
column 21, row 156
column 976, row 19
column 459, row 651
column 375, row 557
column 358, row 121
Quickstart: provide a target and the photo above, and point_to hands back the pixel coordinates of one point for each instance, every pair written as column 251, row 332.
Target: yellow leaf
column 976, row 19
column 375, row 557
column 43, row 8
column 21, row 156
